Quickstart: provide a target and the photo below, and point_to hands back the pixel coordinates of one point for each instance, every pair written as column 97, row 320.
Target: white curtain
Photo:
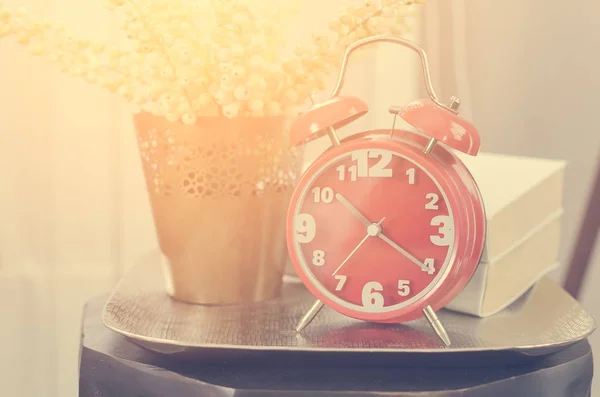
column 73, row 207
column 529, row 70
column 74, row 212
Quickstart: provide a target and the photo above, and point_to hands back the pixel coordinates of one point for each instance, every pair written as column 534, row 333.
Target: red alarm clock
column 386, row 225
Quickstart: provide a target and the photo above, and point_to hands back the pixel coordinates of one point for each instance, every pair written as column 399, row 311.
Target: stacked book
column 523, row 202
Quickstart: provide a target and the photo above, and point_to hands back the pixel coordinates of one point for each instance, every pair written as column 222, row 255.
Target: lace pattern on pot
column 204, row 163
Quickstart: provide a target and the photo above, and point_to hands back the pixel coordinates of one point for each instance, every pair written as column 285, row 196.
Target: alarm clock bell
column 324, row 118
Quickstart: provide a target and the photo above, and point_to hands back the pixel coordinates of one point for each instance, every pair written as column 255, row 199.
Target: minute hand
column 403, row 251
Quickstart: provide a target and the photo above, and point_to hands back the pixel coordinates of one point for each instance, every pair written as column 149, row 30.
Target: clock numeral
column 411, row 176
column 305, row 227
column 362, row 169
column 353, row 172
column 403, row 287
column 429, row 266
column 341, row 282
column 342, row 172
column 378, row 169
column 371, row 298
column 446, row 230
column 318, row 258
column 432, row 203
column 324, row 195
column 362, row 162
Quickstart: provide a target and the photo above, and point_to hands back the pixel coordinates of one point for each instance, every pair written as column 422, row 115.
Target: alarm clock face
column 372, row 231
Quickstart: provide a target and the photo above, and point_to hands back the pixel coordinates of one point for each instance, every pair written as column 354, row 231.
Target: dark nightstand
column 113, row 366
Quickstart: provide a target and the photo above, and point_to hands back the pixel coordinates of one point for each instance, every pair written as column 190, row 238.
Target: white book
column 523, row 202
column 518, row 193
column 497, row 284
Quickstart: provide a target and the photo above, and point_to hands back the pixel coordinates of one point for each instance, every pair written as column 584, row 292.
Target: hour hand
column 352, row 209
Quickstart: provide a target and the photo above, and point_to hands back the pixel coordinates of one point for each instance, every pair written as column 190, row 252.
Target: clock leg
column 436, row 325
column 309, row 316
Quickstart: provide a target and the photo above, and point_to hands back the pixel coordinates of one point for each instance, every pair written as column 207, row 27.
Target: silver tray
column 544, row 320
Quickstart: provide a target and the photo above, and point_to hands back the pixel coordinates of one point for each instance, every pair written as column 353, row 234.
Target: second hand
column 372, row 230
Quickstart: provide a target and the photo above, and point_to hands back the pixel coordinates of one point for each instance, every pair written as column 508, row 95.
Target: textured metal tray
column 543, row 321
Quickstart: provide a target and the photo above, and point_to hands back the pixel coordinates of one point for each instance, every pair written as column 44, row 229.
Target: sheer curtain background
column 529, row 71
column 74, row 213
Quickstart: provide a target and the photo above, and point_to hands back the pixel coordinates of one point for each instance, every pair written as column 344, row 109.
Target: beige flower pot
column 219, row 192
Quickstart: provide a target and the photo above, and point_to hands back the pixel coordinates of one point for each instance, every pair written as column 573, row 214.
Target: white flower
column 190, row 58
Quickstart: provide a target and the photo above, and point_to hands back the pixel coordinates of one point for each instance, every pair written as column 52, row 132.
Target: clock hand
column 352, row 253
column 403, row 251
column 366, row 222
column 352, row 209
column 373, row 230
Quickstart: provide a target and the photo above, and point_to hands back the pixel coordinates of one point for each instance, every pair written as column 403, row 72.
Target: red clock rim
column 455, row 277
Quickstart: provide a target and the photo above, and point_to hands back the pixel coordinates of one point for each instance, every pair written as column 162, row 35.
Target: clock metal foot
column 309, row 316
column 436, row 325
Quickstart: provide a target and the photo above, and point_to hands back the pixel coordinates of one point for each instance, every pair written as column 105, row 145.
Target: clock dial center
column 373, row 229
